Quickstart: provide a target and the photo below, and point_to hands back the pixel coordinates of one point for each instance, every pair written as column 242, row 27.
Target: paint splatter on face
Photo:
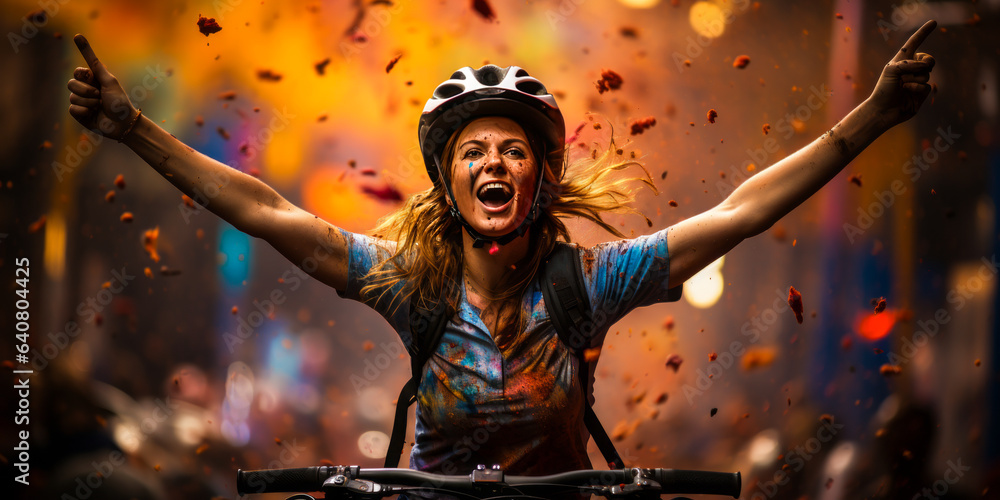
column 494, row 194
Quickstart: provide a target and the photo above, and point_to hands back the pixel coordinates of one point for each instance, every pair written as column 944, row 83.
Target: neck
column 492, row 273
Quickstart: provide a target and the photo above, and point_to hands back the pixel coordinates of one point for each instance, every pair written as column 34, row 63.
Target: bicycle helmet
column 491, row 91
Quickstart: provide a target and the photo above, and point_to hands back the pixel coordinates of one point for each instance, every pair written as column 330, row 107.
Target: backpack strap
column 426, row 328
column 569, row 310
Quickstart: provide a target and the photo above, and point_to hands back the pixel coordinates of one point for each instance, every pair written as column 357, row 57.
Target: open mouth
column 495, row 195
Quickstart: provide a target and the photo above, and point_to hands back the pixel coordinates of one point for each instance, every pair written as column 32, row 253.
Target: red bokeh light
column 876, row 326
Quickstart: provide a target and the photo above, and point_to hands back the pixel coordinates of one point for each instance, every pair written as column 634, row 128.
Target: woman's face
column 493, row 175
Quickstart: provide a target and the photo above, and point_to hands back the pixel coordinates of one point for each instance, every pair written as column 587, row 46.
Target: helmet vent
column 458, row 75
column 448, row 90
column 490, row 74
column 531, row 87
column 521, row 72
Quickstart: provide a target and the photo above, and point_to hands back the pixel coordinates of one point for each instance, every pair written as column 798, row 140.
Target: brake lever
column 344, row 486
column 641, row 488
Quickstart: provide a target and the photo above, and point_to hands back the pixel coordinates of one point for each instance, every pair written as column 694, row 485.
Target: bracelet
column 130, row 126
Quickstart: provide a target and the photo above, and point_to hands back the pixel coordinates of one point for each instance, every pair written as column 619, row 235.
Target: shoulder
column 647, row 249
column 366, row 256
column 371, row 244
column 628, row 273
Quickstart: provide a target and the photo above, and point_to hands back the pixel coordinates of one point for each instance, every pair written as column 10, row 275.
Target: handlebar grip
column 699, row 482
column 281, row 480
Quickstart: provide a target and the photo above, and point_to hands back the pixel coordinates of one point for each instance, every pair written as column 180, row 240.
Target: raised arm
column 766, row 197
column 99, row 103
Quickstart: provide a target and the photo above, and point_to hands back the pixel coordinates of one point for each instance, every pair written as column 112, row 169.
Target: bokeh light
column 234, row 256
column 707, row 19
column 236, row 406
column 704, row 289
column 876, row 326
column 127, row 436
column 640, row 4
column 373, row 444
column 190, row 429
column 55, row 245
column 375, row 403
column 764, row 447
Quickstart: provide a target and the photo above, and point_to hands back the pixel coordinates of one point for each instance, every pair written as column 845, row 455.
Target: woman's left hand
column 903, row 85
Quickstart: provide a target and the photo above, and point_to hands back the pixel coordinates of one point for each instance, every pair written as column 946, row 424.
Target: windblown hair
column 427, row 256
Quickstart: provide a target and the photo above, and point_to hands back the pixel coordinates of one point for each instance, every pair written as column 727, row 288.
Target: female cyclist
column 501, row 388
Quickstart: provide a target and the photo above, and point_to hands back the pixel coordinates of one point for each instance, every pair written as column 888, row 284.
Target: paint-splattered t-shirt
column 522, row 407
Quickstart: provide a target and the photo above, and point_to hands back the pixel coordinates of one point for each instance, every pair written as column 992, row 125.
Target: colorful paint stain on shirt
column 521, row 408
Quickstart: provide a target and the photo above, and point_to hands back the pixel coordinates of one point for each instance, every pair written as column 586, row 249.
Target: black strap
column 569, row 310
column 426, row 328
column 406, row 398
column 601, row 438
column 566, row 298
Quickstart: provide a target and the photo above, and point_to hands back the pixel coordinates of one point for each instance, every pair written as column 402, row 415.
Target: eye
column 473, row 153
column 515, row 152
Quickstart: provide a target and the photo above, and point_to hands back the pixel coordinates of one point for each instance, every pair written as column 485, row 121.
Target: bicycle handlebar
column 697, row 481
column 373, row 482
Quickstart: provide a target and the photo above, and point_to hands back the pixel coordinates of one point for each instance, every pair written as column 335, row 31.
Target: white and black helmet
column 491, row 91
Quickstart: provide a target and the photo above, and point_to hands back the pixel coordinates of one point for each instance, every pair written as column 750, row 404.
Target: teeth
column 494, row 185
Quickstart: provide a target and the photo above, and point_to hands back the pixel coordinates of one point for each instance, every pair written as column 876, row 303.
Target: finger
column 86, row 102
column 916, row 78
column 84, row 75
column 102, row 73
column 910, row 66
column 910, row 47
column 82, row 89
column 924, row 57
column 921, row 89
column 80, row 112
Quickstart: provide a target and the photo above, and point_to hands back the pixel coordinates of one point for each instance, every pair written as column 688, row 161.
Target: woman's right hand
column 100, row 103
column 96, row 98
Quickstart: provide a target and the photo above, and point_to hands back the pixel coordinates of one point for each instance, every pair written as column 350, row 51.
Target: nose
column 493, row 162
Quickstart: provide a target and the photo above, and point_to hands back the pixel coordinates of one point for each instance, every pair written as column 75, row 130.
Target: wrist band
column 130, row 126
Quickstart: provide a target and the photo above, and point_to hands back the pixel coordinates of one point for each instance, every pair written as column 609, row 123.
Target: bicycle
column 354, row 483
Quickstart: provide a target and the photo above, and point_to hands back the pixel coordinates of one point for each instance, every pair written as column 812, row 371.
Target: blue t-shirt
column 522, row 407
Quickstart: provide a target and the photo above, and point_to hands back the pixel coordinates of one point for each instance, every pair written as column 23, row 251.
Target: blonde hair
column 428, row 254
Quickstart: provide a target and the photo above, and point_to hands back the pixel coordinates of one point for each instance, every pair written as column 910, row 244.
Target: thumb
column 100, row 72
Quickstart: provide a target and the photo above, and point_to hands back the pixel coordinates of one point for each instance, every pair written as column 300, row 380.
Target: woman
column 493, row 142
